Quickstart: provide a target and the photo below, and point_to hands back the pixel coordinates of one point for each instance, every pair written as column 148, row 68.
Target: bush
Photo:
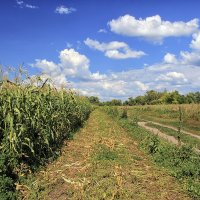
column 151, row 144
column 7, row 189
column 124, row 114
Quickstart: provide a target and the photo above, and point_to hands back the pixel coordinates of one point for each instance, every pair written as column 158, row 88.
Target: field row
column 34, row 121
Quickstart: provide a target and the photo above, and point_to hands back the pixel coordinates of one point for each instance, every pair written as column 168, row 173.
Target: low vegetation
column 187, row 139
column 180, row 161
column 104, row 162
column 170, row 115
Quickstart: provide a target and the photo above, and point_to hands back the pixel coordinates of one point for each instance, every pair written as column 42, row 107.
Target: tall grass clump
column 34, row 121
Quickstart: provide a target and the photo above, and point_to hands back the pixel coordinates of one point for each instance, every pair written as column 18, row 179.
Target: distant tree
column 151, row 97
column 130, row 102
column 197, row 97
column 190, row 98
column 182, row 99
column 171, row 97
column 116, row 102
column 140, row 100
column 94, row 100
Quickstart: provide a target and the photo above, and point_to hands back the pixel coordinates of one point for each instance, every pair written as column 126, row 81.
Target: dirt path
column 103, row 162
column 173, row 128
column 155, row 131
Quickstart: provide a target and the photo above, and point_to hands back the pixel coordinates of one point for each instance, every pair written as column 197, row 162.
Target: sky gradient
column 108, row 48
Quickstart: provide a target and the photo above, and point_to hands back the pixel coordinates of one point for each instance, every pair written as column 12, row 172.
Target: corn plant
column 34, row 121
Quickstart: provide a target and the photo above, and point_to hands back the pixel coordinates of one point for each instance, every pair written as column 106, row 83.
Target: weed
column 105, row 153
column 124, row 114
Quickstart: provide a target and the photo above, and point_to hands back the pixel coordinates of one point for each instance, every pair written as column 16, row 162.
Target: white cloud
column 19, row 2
column 102, row 30
column 114, row 49
column 172, row 77
column 73, row 63
column 192, row 58
column 64, row 10
column 73, row 68
column 141, row 85
column 185, row 58
column 30, row 6
column 195, row 43
column 94, row 44
column 47, row 67
column 152, row 28
column 170, row 58
column 126, row 53
column 22, row 4
column 97, row 76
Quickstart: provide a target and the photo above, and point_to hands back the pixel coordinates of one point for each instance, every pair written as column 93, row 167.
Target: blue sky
column 107, row 48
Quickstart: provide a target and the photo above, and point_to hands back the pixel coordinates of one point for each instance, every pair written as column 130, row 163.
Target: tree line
column 152, row 97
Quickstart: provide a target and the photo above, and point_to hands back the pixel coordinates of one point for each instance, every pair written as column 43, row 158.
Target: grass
column 105, row 153
column 104, row 162
column 194, row 142
column 169, row 115
column 180, row 162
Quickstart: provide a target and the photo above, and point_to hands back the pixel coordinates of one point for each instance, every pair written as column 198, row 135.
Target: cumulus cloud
column 184, row 58
column 114, row 49
column 195, row 43
column 192, row 58
column 73, row 68
column 72, row 65
column 175, row 77
column 170, row 58
column 152, row 28
column 64, row 10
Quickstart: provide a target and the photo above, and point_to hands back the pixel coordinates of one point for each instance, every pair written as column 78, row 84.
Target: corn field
column 34, row 121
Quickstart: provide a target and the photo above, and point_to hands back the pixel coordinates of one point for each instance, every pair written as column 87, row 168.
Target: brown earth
column 103, row 162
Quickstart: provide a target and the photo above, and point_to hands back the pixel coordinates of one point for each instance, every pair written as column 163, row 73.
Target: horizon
column 112, row 50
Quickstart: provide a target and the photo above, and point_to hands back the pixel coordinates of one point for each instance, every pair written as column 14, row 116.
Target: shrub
column 124, row 114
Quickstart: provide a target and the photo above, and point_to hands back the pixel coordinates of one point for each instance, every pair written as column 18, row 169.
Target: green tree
column 94, row 100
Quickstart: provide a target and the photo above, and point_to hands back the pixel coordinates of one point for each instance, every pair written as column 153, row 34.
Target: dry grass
column 103, row 162
column 169, row 114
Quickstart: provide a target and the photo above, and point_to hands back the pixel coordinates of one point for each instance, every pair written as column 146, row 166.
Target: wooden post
column 180, row 125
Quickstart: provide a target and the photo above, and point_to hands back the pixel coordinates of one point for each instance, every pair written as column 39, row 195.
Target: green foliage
column 124, row 114
column 105, row 153
column 112, row 111
column 151, row 144
column 113, row 102
column 94, row 100
column 7, row 191
column 34, row 121
column 153, row 97
column 181, row 162
column 187, row 139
